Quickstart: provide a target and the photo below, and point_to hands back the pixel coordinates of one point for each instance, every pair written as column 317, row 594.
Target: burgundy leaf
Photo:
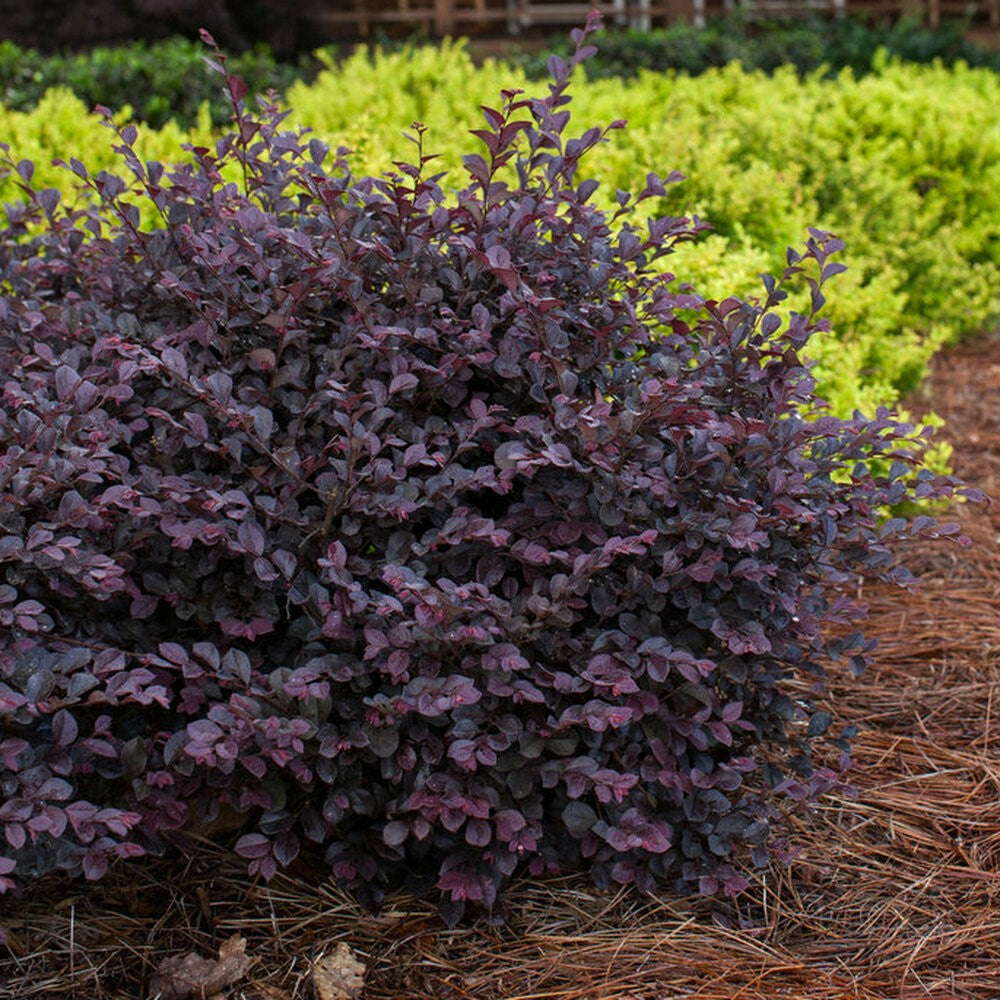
column 252, row 845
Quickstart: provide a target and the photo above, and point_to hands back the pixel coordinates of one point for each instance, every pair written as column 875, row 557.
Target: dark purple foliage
column 441, row 532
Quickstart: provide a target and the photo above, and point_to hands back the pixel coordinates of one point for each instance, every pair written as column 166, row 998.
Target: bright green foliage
column 903, row 164
column 63, row 126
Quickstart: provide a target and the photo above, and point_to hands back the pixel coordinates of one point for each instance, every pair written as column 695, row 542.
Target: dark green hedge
column 808, row 45
column 159, row 80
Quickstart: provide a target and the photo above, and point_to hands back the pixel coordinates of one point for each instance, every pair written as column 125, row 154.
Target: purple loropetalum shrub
column 444, row 533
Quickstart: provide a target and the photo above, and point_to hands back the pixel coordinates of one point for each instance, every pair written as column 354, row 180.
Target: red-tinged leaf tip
column 494, row 118
column 237, row 88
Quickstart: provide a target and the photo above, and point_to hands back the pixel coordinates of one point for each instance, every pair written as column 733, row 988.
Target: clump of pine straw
column 894, row 894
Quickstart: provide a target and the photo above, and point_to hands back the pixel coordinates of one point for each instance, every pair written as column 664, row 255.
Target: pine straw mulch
column 895, row 895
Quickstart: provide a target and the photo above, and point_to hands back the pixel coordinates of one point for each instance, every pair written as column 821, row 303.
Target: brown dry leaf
column 339, row 975
column 192, row 977
column 265, row 992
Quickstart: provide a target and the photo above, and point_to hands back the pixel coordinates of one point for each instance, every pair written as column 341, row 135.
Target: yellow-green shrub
column 63, row 126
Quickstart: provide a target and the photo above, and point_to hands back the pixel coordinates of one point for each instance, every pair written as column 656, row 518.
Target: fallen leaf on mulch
column 191, row 977
column 265, row 992
column 339, row 975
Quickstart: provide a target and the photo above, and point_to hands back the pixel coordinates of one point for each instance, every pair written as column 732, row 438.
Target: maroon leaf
column 252, row 845
column 237, row 88
column 64, row 728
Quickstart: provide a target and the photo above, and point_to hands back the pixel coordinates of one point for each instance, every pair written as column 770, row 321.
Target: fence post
column 641, row 19
column 444, row 17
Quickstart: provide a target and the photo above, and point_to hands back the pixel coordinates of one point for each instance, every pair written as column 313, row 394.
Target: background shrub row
column 903, row 164
column 165, row 79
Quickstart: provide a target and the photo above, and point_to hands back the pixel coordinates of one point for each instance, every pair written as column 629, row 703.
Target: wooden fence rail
column 453, row 17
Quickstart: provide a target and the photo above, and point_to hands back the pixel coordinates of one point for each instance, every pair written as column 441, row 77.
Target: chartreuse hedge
column 903, row 164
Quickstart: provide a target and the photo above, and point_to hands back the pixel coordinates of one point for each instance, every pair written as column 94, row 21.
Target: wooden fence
column 455, row 17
